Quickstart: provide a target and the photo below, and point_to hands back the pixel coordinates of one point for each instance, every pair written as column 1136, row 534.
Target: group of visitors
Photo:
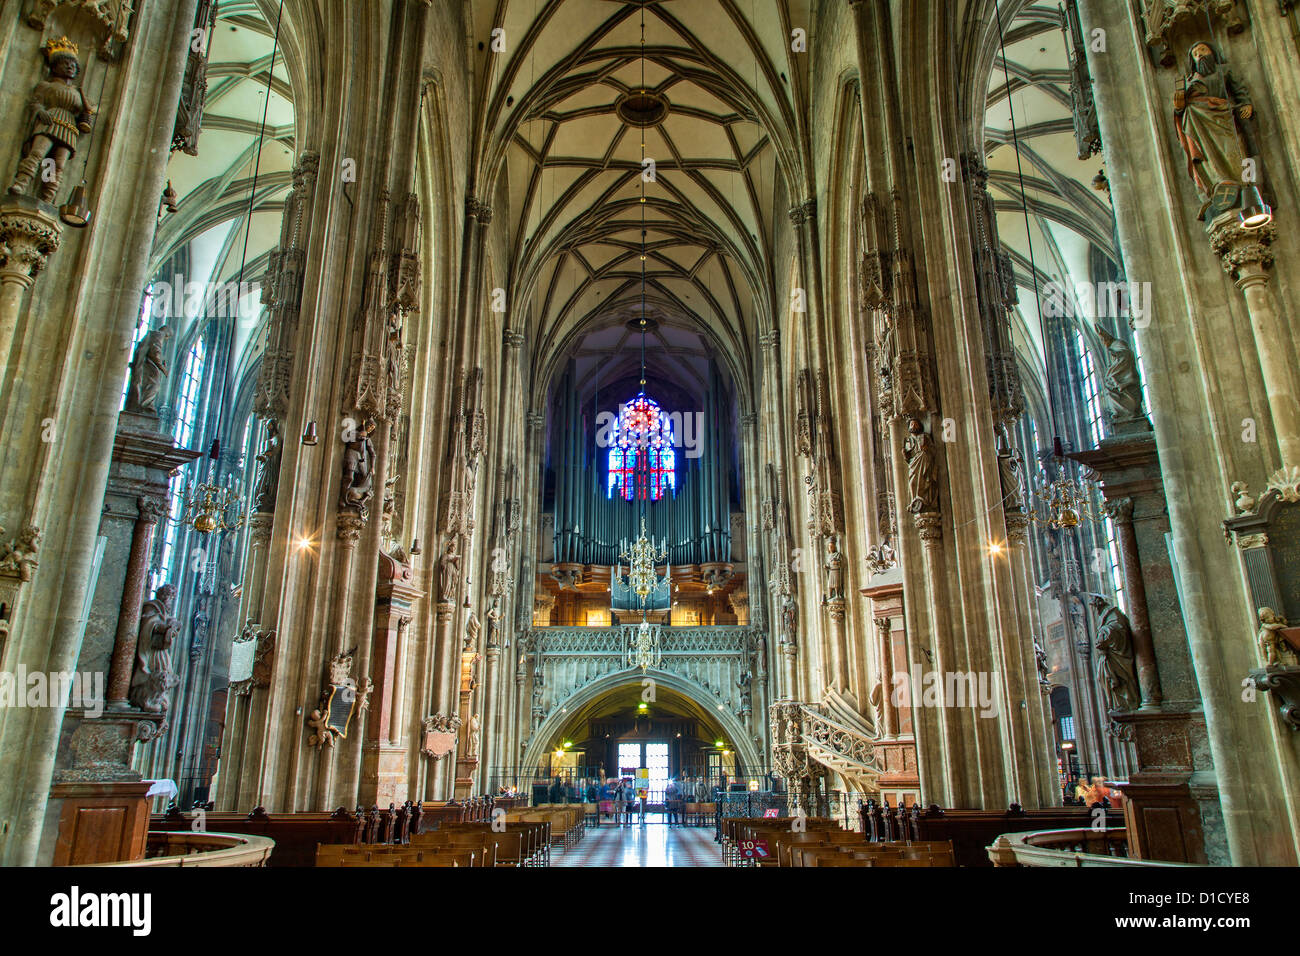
column 620, row 799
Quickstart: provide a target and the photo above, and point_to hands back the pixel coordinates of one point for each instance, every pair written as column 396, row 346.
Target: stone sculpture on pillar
column 60, row 114
column 18, row 557
column 834, row 571
column 921, row 471
column 493, row 615
column 1209, row 108
column 268, row 482
column 359, row 472
column 471, row 737
column 1116, row 663
column 1273, row 648
column 1122, row 382
column 448, row 573
column 148, row 370
column 153, row 677
column 789, row 620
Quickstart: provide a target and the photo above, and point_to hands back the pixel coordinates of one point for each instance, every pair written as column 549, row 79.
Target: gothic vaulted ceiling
column 723, row 101
column 215, row 185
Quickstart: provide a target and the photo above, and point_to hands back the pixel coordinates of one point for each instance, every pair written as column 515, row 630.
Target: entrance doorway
column 647, row 764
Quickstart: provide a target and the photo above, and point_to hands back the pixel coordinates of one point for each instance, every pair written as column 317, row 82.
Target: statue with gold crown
column 60, row 114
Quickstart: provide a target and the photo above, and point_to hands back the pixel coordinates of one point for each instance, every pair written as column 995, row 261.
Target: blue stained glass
column 642, row 465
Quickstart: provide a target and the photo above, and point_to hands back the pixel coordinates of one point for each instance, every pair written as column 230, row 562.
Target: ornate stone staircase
column 810, row 738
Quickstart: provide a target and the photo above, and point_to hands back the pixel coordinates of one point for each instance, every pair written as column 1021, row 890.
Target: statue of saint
column 1044, row 669
column 834, row 571
column 922, row 469
column 789, row 619
column 268, row 481
column 153, row 677
column 1116, row 664
column 472, row 629
column 448, row 573
column 148, row 369
column 60, row 113
column 1272, row 647
column 493, row 615
column 358, row 471
column 1122, row 382
column 1208, row 112
column 471, row 737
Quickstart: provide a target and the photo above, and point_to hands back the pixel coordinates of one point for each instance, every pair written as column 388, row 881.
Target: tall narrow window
column 187, row 407
column 1091, row 391
column 642, row 464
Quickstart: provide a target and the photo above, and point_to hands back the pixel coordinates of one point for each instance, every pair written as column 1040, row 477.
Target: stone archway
column 737, row 732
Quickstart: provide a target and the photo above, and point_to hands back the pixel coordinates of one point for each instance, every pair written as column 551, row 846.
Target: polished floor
column 649, row 844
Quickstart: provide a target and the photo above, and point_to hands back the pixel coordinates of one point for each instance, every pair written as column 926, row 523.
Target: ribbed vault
column 730, row 141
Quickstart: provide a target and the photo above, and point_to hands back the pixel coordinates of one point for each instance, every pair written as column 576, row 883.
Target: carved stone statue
column 153, row 678
column 1010, row 472
column 834, row 571
column 471, row 737
column 472, row 629
column 148, row 369
column 493, row 615
column 789, row 620
column 1116, row 664
column 18, row 557
column 1044, row 670
column 1009, row 475
column 321, row 732
column 922, row 469
column 1273, row 649
column 359, row 471
column 60, row 113
column 1122, row 381
column 1209, row 108
column 449, row 573
column 268, row 481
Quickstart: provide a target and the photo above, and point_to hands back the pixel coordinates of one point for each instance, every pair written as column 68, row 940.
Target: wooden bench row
column 821, row 842
column 456, row 844
column 971, row 831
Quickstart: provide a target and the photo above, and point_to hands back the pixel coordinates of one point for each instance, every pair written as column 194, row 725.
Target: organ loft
column 599, row 431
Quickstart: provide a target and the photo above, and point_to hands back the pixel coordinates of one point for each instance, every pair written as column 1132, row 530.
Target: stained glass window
column 642, row 464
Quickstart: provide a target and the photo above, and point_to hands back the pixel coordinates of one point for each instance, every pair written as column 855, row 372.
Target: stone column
column 255, row 569
column 1120, row 511
column 29, row 235
column 1246, row 256
column 492, row 657
column 133, row 596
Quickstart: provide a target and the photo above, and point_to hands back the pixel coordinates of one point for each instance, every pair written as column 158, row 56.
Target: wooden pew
column 971, row 831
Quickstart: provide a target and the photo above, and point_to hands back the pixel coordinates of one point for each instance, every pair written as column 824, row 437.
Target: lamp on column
column 76, row 211
column 1254, row 212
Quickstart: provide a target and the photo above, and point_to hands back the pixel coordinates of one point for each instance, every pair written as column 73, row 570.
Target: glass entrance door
column 651, row 757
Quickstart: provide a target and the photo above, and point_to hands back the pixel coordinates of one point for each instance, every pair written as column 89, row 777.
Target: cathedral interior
column 649, row 420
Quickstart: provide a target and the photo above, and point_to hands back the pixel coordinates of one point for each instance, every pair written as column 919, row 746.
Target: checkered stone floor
column 653, row 844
